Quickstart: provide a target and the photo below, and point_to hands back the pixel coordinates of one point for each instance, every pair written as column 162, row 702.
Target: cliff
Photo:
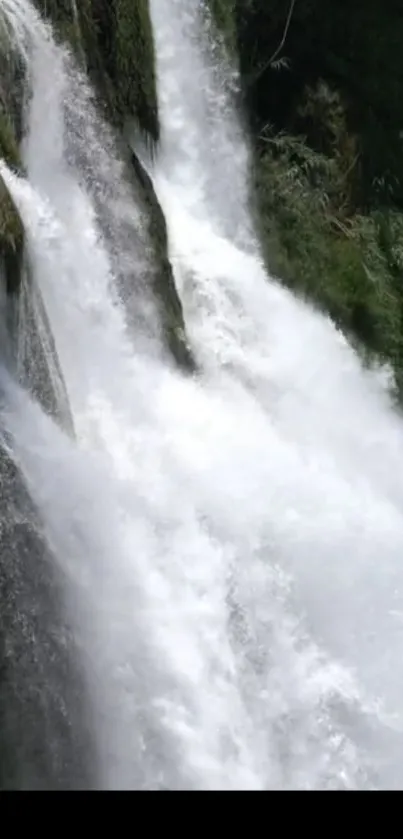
column 322, row 85
column 112, row 42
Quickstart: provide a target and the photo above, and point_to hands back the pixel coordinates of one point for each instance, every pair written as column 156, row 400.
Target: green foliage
column 356, row 49
column 350, row 265
column 326, row 121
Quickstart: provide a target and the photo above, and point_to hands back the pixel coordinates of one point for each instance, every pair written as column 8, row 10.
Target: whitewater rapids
column 231, row 542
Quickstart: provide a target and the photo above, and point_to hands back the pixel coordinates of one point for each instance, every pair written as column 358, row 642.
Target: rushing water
column 229, row 544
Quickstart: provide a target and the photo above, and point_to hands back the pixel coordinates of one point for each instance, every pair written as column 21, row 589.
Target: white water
column 231, row 544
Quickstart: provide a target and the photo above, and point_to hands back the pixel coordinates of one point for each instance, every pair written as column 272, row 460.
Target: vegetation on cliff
column 322, row 89
column 323, row 85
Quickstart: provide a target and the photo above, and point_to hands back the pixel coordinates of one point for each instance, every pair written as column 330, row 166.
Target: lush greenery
column 323, row 86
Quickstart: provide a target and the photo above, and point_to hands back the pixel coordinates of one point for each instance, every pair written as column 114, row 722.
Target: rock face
column 11, row 229
column 113, row 40
column 11, row 240
column 162, row 280
column 21, row 304
column 45, row 739
column 33, row 352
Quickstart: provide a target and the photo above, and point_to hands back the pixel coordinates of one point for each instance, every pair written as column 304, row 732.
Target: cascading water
column 228, row 545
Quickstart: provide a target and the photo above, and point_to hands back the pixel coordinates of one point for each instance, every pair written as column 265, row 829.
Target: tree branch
column 280, row 46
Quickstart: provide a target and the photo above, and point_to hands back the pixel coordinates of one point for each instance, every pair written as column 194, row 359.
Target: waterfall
column 222, row 550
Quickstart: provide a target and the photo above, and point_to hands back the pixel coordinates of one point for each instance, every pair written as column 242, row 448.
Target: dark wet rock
column 45, row 734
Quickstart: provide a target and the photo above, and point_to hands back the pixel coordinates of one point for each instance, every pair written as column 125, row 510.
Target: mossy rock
column 170, row 306
column 11, row 239
column 11, row 227
column 46, row 736
column 224, row 18
column 115, row 39
column 134, row 64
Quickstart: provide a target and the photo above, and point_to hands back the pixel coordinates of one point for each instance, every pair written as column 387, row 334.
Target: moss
column 171, row 312
column 11, row 228
column 9, row 150
column 11, row 239
column 115, row 39
column 134, row 65
column 223, row 15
